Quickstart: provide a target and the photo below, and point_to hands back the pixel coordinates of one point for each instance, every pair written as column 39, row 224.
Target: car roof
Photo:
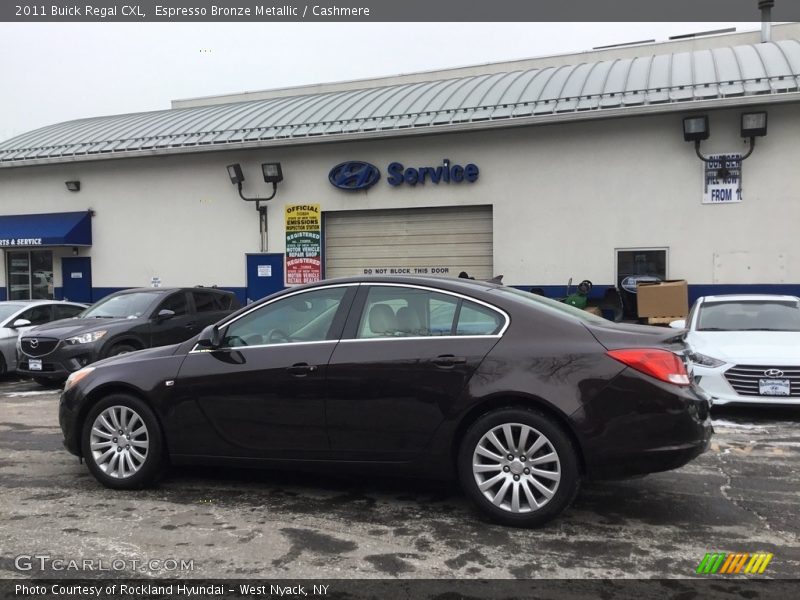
column 169, row 290
column 749, row 298
column 453, row 283
column 29, row 303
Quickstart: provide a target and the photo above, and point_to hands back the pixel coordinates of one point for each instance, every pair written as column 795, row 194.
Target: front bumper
column 713, row 382
column 60, row 363
column 68, row 420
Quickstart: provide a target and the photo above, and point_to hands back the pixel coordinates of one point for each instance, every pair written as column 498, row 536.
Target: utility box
column 663, row 298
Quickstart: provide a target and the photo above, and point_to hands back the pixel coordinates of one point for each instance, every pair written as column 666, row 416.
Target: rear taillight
column 661, row 364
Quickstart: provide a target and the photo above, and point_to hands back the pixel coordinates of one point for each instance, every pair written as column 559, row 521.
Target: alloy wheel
column 119, row 442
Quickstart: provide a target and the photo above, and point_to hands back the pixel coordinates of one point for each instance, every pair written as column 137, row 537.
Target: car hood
column 139, row 355
column 748, row 347
column 69, row 327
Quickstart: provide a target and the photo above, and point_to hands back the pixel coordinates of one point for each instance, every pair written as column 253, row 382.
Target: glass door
column 635, row 265
column 29, row 275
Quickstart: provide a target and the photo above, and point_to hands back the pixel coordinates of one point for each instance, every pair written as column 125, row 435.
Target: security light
column 754, row 124
column 272, row 172
column 695, row 129
column 73, row 186
column 235, row 173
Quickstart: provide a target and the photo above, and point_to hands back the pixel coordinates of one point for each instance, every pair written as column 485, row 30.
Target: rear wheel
column 121, row 442
column 518, row 467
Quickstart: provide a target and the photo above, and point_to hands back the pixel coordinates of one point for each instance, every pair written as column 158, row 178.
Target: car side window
column 66, row 311
column 37, row 315
column 176, row 303
column 305, row 317
column 396, row 311
column 209, row 302
column 475, row 319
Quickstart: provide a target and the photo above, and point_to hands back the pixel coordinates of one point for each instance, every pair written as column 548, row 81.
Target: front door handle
column 301, row 369
column 448, row 361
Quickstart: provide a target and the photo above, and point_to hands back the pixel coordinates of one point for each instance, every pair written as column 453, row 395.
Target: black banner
column 381, row 589
column 393, row 10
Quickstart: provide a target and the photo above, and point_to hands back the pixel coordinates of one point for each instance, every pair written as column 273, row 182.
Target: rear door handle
column 301, row 369
column 447, row 361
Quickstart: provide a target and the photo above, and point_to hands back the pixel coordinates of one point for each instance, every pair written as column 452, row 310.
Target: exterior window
column 66, row 311
column 30, row 275
column 394, row 311
column 38, row 315
column 209, row 302
column 300, row 318
column 475, row 319
column 176, row 303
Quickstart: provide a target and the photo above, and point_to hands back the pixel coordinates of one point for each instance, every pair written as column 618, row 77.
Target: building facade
column 541, row 171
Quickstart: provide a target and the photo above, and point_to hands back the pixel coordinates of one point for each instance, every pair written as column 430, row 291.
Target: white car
column 745, row 349
column 18, row 316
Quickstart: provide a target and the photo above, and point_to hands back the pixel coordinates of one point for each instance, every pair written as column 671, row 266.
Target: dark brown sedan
column 517, row 396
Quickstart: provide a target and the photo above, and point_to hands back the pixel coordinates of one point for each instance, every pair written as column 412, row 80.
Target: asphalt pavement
column 740, row 496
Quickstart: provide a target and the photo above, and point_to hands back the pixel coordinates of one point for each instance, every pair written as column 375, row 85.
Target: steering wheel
column 276, row 336
column 234, row 341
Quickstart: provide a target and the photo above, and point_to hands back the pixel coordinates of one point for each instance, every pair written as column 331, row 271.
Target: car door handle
column 447, row 361
column 301, row 369
column 190, row 325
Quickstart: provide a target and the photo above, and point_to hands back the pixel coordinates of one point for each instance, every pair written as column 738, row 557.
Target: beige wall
column 564, row 197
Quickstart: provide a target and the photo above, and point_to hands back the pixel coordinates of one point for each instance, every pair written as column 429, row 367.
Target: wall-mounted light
column 272, row 174
column 73, row 186
column 75, row 251
column 696, row 129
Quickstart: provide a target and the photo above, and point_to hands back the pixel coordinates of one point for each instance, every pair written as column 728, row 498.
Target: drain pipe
column 766, row 19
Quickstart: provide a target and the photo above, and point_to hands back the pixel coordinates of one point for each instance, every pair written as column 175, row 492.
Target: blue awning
column 48, row 229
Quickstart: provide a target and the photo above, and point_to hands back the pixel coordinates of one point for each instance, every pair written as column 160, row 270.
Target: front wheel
column 121, row 442
column 518, row 467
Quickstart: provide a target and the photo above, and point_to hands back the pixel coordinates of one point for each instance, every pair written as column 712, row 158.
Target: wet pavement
column 741, row 496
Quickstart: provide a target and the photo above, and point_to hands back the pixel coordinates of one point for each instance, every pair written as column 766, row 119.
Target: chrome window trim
column 491, row 307
column 425, row 337
column 259, row 306
column 195, row 350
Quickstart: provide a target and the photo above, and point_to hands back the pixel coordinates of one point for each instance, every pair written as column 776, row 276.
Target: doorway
column 29, row 274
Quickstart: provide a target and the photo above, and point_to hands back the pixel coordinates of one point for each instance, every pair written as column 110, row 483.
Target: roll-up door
column 427, row 241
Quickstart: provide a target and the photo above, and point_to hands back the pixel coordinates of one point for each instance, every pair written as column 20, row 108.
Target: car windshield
column 749, row 315
column 132, row 305
column 6, row 310
column 548, row 304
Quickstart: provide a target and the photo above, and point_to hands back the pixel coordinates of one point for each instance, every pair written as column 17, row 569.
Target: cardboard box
column 663, row 298
column 595, row 310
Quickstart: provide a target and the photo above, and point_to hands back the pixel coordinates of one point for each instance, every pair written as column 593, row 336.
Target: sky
column 55, row 72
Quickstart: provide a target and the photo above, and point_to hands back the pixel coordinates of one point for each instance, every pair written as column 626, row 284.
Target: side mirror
column 20, row 323
column 165, row 314
column 210, row 337
column 679, row 324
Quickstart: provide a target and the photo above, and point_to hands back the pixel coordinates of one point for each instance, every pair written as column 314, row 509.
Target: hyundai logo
column 35, row 344
column 773, row 373
column 354, row 175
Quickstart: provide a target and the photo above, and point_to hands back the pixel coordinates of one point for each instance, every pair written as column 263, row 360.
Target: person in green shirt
column 579, row 298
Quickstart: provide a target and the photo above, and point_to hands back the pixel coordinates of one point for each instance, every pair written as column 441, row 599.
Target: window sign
column 303, row 244
column 722, row 179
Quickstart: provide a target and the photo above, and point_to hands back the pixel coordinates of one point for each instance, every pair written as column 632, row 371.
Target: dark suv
column 122, row 322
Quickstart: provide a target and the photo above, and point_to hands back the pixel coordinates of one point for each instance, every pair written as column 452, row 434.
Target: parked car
column 746, row 348
column 120, row 323
column 518, row 396
column 18, row 316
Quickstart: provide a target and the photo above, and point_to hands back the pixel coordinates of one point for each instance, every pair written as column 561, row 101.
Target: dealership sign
column 303, row 244
column 358, row 175
column 722, row 179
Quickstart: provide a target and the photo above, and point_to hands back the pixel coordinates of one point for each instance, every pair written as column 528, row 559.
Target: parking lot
column 741, row 496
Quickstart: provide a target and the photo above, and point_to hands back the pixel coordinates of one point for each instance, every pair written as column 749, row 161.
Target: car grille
column 744, row 379
column 42, row 346
column 46, row 367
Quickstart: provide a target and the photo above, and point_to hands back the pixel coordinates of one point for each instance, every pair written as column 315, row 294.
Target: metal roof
column 662, row 83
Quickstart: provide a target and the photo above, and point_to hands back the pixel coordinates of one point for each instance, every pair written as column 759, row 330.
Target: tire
column 546, row 445
column 133, row 465
column 118, row 349
column 3, row 366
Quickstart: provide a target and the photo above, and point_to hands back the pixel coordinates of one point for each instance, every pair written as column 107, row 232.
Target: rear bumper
column 639, row 425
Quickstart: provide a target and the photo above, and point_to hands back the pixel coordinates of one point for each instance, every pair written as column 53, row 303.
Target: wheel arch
column 129, row 340
column 517, row 401
column 102, row 391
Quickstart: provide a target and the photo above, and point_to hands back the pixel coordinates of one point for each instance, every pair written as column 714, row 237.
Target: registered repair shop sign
column 722, row 179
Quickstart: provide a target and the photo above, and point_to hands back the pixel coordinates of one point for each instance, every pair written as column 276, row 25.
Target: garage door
column 427, row 241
